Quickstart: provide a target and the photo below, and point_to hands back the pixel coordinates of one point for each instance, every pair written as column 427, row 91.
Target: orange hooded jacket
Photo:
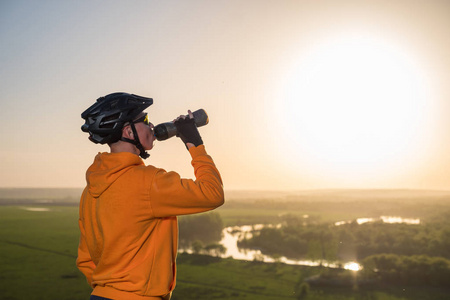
column 128, row 224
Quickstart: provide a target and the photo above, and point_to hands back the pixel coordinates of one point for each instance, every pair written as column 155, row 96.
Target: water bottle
column 167, row 130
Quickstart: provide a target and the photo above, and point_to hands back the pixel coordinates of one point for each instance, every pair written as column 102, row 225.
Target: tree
column 413, row 270
column 215, row 249
column 197, row 247
column 302, row 291
column 206, row 228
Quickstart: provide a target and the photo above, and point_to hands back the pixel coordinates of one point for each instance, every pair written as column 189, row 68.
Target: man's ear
column 127, row 132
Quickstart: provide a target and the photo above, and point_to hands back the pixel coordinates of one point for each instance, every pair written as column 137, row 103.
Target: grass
column 230, row 279
column 38, row 254
column 255, row 215
column 38, row 251
column 202, row 277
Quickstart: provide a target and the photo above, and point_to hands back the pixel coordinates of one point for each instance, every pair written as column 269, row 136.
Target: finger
column 191, row 115
column 180, row 117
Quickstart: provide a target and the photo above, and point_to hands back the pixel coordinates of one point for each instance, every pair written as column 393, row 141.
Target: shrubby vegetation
column 198, row 230
column 392, row 253
column 333, row 207
column 39, row 248
column 351, row 241
column 410, row 270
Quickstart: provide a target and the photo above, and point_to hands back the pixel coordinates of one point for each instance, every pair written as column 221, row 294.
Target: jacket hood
column 106, row 168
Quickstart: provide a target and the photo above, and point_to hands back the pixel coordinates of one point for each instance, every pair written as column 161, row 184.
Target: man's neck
column 121, row 146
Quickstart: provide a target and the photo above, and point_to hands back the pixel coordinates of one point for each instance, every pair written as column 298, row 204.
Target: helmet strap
column 136, row 142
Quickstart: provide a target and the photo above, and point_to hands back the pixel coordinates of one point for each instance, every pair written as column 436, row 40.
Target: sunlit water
column 231, row 235
column 385, row 219
column 39, row 209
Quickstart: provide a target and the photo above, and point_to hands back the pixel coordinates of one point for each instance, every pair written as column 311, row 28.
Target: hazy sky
column 300, row 94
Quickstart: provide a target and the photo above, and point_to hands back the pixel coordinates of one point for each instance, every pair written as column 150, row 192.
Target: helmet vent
column 110, row 121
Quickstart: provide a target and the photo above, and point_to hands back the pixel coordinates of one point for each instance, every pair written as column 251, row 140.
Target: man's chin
column 151, row 146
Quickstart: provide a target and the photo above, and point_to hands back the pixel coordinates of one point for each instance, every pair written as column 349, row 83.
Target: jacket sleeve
column 171, row 195
column 84, row 261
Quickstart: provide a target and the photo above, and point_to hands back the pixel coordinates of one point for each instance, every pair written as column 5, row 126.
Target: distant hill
column 338, row 195
column 71, row 196
column 40, row 195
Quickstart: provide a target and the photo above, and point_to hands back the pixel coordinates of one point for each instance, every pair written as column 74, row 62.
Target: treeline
column 410, row 270
column 198, row 230
column 426, row 208
column 351, row 241
column 390, row 253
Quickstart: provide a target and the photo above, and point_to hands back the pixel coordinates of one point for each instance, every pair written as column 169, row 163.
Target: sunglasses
column 143, row 119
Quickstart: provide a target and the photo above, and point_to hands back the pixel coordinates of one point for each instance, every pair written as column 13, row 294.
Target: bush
column 205, row 228
column 413, row 270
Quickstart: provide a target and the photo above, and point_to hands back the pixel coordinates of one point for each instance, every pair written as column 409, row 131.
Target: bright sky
column 300, row 94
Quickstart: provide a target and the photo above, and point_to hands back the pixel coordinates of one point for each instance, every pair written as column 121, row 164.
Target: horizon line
column 269, row 190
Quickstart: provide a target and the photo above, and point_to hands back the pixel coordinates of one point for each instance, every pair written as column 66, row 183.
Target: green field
column 38, row 251
column 203, row 277
column 39, row 247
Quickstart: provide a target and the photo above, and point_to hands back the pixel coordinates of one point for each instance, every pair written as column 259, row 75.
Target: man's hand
column 187, row 131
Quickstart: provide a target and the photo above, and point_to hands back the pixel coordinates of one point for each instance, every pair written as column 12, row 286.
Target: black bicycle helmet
column 105, row 119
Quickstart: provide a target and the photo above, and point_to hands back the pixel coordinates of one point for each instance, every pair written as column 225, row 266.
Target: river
column 231, row 235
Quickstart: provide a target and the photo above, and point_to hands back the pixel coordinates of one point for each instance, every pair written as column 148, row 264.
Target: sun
column 353, row 104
